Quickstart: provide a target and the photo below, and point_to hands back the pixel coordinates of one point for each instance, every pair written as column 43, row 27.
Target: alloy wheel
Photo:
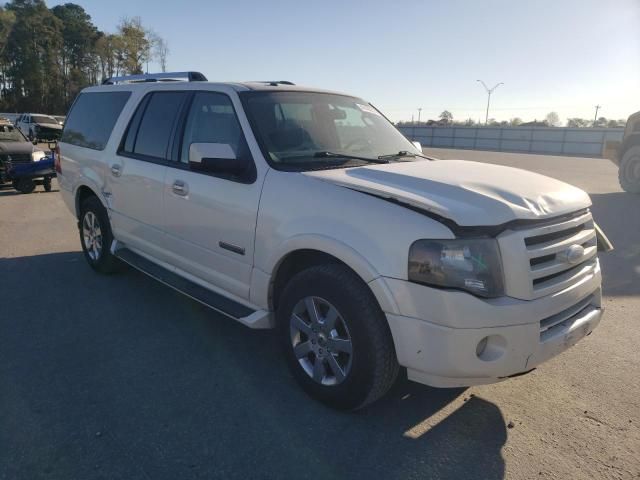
column 321, row 341
column 92, row 235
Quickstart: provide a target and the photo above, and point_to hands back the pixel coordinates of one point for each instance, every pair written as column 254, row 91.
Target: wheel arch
column 307, row 251
column 83, row 192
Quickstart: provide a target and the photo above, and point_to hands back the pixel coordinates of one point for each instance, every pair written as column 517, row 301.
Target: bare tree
column 552, row 119
column 161, row 52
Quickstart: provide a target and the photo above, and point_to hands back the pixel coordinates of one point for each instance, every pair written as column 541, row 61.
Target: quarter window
column 92, row 118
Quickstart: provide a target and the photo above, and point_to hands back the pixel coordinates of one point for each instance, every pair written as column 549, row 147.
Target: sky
column 552, row 55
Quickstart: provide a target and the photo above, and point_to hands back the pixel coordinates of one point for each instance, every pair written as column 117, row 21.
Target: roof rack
column 274, row 83
column 157, row 77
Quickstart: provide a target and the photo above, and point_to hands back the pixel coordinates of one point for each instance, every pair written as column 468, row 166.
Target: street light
column 489, row 92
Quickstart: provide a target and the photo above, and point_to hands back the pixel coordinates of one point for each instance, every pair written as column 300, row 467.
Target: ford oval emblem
column 574, row 254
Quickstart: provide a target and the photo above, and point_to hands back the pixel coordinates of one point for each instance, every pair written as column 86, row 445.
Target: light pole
column 489, row 92
column 595, row 118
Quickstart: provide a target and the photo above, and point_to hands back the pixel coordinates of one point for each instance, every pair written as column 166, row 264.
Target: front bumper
column 438, row 334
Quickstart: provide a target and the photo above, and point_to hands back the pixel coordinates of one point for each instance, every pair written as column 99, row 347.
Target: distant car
column 11, row 117
column 16, row 148
column 37, row 127
column 60, row 119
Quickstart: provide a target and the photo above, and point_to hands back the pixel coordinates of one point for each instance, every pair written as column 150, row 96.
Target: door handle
column 180, row 188
column 116, row 170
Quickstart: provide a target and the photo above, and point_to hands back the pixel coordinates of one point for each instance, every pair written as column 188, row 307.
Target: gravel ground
column 120, row 377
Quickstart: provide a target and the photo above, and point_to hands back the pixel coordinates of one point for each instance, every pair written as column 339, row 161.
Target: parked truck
column 626, row 154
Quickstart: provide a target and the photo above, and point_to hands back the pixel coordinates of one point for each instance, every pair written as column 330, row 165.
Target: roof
column 237, row 86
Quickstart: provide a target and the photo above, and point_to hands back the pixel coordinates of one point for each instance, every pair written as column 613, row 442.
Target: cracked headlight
column 472, row 264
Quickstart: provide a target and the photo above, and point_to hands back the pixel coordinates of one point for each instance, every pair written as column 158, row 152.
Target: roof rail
column 157, row 77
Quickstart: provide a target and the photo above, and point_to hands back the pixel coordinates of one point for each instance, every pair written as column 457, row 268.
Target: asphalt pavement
column 120, row 377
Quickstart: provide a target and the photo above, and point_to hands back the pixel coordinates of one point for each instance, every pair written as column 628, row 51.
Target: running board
column 248, row 316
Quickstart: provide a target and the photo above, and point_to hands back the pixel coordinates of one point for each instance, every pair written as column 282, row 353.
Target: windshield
column 9, row 134
column 42, row 119
column 315, row 129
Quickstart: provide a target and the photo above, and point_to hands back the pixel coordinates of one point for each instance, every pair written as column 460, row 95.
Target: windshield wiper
column 349, row 157
column 403, row 153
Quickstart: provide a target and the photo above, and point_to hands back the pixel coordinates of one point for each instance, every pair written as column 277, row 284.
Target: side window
column 92, row 118
column 150, row 129
column 212, row 119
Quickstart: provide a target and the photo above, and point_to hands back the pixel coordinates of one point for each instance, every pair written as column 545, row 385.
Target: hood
column 52, row 126
column 469, row 193
column 8, row 148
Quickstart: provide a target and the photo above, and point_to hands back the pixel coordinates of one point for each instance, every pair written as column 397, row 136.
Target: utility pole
column 413, row 128
column 489, row 92
column 595, row 118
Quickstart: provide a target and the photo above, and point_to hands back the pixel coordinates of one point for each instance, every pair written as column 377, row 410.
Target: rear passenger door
column 136, row 174
column 210, row 220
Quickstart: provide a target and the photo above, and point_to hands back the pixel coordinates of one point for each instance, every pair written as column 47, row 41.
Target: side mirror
column 215, row 158
column 418, row 146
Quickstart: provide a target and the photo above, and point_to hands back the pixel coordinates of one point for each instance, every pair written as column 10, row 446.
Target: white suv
column 306, row 210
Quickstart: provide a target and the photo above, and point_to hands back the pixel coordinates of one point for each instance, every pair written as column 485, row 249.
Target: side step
column 216, row 301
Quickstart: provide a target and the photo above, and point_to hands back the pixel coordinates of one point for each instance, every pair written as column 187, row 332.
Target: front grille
column 544, row 258
column 547, row 249
column 15, row 158
column 557, row 323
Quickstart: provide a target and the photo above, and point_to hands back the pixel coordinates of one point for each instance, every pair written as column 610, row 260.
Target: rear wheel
column 96, row 236
column 629, row 172
column 46, row 183
column 335, row 337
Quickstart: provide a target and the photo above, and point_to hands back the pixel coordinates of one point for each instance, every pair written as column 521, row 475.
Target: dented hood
column 469, row 193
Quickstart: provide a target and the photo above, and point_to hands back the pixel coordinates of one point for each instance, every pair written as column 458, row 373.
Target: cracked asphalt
column 120, row 377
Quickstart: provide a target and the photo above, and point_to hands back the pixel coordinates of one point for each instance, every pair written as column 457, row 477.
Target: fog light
column 491, row 348
column 482, row 345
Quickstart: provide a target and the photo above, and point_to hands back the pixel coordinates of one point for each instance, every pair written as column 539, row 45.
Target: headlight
column 473, row 265
column 37, row 155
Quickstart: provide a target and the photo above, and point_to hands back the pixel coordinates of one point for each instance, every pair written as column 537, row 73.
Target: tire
column 46, row 183
column 96, row 243
column 629, row 171
column 24, row 185
column 371, row 367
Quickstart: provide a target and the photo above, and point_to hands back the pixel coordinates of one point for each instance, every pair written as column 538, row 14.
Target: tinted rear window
column 92, row 118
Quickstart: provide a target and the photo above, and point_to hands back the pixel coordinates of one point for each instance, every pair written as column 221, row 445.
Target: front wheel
column 629, row 172
column 335, row 337
column 46, row 183
column 25, row 185
column 96, row 236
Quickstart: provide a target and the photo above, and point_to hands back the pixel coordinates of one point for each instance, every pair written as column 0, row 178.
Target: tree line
column 552, row 119
column 47, row 55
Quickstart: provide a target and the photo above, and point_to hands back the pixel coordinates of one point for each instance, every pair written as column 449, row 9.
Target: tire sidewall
column 347, row 299
column 630, row 160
